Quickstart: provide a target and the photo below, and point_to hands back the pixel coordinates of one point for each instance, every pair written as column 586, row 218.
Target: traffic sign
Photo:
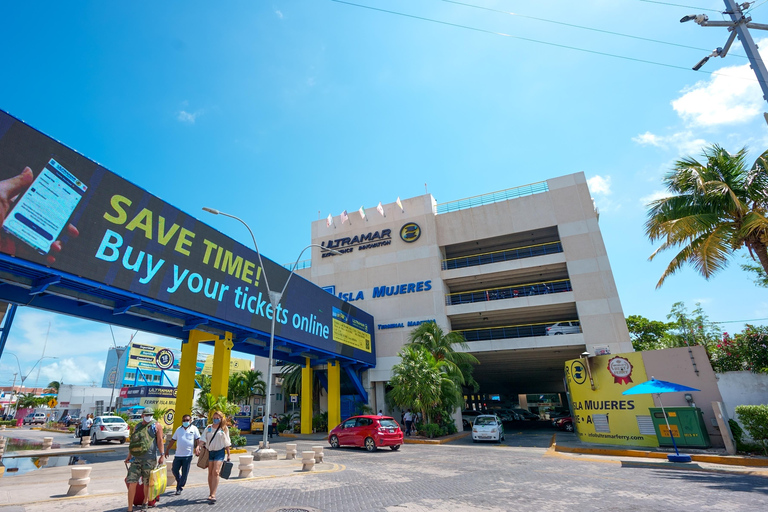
column 52, row 403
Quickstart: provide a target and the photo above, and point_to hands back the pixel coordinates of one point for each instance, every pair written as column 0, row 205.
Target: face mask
column 216, row 421
column 147, row 417
column 185, row 424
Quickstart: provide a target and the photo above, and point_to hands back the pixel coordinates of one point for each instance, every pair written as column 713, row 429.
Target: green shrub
column 432, row 430
column 8, row 423
column 236, row 438
column 320, row 422
column 755, row 421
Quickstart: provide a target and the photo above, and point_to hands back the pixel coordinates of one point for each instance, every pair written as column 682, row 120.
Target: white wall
column 742, row 388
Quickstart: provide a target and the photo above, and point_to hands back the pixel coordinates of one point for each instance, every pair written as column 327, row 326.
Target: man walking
column 146, row 442
column 408, row 422
column 185, row 437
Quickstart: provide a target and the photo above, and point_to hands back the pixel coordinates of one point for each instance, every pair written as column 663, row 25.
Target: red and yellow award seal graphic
column 621, row 369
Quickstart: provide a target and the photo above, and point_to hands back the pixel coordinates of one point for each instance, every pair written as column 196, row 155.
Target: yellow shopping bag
column 158, row 479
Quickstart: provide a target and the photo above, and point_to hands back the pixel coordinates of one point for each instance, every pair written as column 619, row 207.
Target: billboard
column 64, row 211
column 156, row 397
column 149, row 357
column 603, row 415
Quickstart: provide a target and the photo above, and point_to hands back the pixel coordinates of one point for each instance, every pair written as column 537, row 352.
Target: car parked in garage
column 487, row 427
column 565, row 424
column 369, row 432
column 108, row 428
column 468, row 417
column 526, row 415
column 564, row 328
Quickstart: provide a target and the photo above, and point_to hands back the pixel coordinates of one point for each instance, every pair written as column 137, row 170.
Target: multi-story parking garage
column 522, row 273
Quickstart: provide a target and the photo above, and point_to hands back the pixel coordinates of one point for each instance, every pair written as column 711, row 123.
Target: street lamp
column 274, row 299
column 24, row 377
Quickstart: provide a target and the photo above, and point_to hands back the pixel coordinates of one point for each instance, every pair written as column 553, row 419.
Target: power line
column 741, row 321
column 758, row 5
column 678, row 5
column 547, row 43
column 580, row 26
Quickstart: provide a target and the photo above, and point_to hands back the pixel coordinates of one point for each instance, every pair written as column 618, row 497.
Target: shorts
column 140, row 469
column 217, row 455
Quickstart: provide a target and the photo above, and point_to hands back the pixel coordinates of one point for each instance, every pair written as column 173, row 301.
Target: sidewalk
column 50, row 485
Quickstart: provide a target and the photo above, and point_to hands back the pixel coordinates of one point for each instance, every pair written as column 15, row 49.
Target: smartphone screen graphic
column 42, row 212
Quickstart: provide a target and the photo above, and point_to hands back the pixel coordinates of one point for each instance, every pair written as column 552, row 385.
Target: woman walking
column 216, row 439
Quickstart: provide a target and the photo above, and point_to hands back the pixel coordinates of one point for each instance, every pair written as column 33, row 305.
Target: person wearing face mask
column 185, row 438
column 216, row 439
column 146, row 442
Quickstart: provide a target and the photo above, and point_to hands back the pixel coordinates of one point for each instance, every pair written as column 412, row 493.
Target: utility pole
column 738, row 27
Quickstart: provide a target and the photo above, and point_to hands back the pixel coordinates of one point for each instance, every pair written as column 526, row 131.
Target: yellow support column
column 185, row 392
column 306, row 398
column 334, row 394
column 222, row 351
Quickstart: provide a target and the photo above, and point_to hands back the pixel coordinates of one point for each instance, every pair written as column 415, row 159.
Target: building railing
column 509, row 292
column 493, row 197
column 300, row 265
column 507, row 331
column 502, row 255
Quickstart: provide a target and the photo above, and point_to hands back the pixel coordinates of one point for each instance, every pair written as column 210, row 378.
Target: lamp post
column 119, row 351
column 274, row 299
column 24, row 377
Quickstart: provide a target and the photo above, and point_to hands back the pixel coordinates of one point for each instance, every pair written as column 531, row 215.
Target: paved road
column 463, row 476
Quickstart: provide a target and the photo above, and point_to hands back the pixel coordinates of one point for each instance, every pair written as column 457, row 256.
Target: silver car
column 564, row 328
column 106, row 428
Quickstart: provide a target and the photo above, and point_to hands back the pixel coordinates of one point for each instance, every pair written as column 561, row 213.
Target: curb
column 446, row 439
column 729, row 460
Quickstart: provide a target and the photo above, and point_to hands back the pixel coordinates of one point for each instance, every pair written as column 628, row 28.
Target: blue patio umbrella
column 657, row 387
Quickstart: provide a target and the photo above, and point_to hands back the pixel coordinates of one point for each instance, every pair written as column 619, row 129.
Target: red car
column 565, row 424
column 370, row 432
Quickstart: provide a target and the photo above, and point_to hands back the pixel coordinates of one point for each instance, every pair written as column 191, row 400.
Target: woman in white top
column 216, row 439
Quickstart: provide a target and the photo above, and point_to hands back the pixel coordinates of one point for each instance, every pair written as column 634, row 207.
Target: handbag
column 158, row 479
column 226, row 470
column 202, row 459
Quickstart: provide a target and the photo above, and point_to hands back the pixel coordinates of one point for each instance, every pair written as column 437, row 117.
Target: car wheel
column 558, row 333
column 123, row 440
column 569, row 427
column 334, row 442
column 395, row 447
column 370, row 444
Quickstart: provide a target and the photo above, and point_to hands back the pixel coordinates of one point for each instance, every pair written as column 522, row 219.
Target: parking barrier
column 78, row 483
column 47, row 443
column 307, row 461
column 318, row 453
column 85, row 441
column 290, row 451
column 246, row 466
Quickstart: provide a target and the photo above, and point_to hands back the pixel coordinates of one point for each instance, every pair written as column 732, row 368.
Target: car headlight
column 474, row 430
column 493, row 431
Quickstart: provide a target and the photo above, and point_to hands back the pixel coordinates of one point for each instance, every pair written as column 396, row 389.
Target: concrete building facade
column 522, row 273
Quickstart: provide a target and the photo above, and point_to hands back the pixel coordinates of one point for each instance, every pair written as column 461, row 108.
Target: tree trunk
column 761, row 251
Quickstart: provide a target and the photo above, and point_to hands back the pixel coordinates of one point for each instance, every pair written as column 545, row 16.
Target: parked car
column 468, row 417
column 257, row 424
column 564, row 328
column 488, row 427
column 565, row 424
column 526, row 415
column 507, row 415
column 367, row 431
column 107, row 428
column 35, row 418
column 554, row 416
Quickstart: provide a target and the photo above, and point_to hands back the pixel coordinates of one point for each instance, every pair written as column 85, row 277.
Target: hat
column 147, row 410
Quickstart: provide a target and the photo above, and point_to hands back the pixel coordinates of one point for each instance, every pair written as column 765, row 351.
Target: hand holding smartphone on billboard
column 41, row 210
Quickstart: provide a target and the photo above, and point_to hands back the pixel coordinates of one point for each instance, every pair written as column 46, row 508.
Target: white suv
column 564, row 328
column 105, row 428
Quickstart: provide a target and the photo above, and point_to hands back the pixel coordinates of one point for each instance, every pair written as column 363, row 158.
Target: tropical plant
column 715, row 208
column 292, row 382
column 54, row 386
column 648, row 334
column 207, row 404
column 244, row 385
column 441, row 345
column 29, row 401
column 423, row 383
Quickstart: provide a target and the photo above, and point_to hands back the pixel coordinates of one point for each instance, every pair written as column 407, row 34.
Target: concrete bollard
column 307, row 461
column 318, row 453
column 47, row 443
column 2, row 446
column 171, row 480
column 290, row 451
column 78, row 484
column 85, row 441
column 246, row 466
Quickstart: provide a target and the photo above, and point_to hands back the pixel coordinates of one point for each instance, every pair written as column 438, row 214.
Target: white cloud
column 279, row 14
column 600, row 185
column 654, row 196
column 732, row 95
column 685, row 143
column 186, row 117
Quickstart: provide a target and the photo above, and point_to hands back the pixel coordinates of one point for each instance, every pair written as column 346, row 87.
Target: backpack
column 141, row 440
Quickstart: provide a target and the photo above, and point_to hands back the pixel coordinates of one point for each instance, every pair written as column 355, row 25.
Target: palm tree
column 244, row 385
column 423, row 383
column 714, row 209
column 54, row 386
column 29, row 400
column 430, row 336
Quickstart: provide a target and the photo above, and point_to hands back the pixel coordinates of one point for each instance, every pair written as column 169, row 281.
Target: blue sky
column 284, row 111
